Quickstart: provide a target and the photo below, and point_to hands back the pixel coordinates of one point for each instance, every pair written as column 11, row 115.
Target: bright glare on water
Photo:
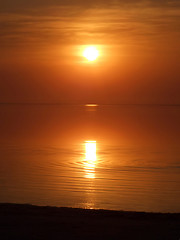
column 90, row 160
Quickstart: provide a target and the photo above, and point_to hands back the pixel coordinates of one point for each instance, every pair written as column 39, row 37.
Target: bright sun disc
column 91, row 53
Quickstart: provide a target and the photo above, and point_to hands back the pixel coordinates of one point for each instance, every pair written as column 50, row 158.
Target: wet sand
column 33, row 222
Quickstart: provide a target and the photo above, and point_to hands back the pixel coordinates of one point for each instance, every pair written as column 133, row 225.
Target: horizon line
column 89, row 104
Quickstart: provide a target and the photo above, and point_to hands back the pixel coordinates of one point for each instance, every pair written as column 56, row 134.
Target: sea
column 117, row 157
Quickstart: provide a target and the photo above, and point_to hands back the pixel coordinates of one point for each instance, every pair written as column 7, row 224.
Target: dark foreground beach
column 33, row 222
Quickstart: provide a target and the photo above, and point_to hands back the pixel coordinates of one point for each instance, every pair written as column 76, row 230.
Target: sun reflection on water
column 90, row 159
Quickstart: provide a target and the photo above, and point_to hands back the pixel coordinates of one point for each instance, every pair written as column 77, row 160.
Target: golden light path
column 91, row 53
column 90, row 160
column 91, row 105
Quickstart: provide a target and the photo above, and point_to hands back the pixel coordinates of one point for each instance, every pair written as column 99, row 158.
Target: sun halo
column 91, row 53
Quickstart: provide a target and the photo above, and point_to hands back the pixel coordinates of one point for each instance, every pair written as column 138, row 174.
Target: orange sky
column 41, row 51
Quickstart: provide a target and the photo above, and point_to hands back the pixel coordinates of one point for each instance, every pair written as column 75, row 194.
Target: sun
column 91, row 53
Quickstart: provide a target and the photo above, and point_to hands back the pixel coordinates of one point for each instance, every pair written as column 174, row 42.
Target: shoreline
column 26, row 206
column 25, row 221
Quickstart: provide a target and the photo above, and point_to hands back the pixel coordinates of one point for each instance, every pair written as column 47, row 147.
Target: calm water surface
column 110, row 157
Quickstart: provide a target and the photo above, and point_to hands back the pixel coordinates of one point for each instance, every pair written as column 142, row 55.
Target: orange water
column 110, row 157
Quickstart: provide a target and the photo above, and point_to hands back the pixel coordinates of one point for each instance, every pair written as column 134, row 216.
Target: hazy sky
column 41, row 43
